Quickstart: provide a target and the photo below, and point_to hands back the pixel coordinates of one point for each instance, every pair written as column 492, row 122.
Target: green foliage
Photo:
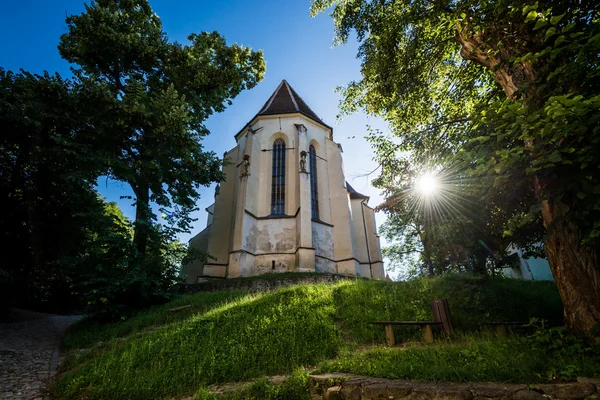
column 135, row 111
column 232, row 336
column 249, row 337
column 153, row 99
column 48, row 170
column 295, row 387
column 475, row 357
column 567, row 353
column 502, row 95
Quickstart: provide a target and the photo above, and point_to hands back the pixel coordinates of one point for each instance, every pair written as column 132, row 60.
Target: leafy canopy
column 155, row 97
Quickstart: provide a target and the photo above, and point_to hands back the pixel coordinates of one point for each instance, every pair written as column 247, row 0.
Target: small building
column 532, row 268
column 285, row 205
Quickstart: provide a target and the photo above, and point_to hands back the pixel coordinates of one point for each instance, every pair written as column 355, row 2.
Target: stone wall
column 353, row 387
column 260, row 284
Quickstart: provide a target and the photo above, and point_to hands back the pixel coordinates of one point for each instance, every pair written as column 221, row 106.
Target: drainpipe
column 362, row 203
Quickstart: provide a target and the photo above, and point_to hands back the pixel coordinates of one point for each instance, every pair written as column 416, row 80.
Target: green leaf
column 531, row 16
column 556, row 19
column 551, row 31
column 540, row 23
column 527, row 9
column 555, row 156
column 559, row 40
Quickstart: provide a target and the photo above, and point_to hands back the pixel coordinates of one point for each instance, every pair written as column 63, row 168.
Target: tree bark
column 575, row 268
column 142, row 219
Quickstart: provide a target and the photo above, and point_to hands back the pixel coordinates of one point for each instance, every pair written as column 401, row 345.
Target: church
column 285, row 205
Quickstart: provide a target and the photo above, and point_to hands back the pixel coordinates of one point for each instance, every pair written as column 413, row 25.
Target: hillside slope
column 232, row 336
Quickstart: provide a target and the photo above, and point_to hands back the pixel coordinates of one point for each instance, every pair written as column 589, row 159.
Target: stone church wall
column 270, row 235
column 322, row 239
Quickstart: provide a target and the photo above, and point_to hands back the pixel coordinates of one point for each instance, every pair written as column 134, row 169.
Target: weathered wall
column 246, row 241
column 194, row 269
column 347, row 386
column 260, row 284
column 322, row 239
column 272, row 235
column 368, row 249
column 219, row 243
column 358, row 229
column 340, row 212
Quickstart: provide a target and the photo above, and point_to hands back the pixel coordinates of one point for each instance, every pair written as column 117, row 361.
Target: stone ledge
column 338, row 386
column 258, row 284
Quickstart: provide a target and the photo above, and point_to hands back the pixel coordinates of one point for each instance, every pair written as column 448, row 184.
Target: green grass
column 474, row 357
column 88, row 333
column 234, row 336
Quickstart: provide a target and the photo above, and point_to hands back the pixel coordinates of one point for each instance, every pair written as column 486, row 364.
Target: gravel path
column 29, row 354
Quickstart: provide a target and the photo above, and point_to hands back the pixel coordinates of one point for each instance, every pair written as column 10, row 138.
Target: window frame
column 314, row 182
column 278, row 170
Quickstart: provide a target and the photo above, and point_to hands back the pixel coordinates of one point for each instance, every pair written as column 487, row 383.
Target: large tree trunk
column 142, row 219
column 576, row 268
column 576, row 271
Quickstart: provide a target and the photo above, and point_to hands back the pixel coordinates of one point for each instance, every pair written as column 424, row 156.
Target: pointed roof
column 285, row 100
column 354, row 194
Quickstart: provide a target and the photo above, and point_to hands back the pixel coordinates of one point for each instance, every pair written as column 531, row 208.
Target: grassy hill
column 234, row 336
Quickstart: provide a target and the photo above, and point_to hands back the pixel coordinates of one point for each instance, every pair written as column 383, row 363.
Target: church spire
column 285, row 100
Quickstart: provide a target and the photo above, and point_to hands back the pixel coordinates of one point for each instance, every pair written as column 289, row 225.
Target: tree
column 48, row 172
column 447, row 229
column 513, row 91
column 155, row 97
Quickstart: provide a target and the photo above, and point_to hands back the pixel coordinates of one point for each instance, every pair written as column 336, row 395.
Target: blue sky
column 297, row 48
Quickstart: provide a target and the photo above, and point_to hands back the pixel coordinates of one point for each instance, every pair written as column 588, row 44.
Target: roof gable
column 285, row 100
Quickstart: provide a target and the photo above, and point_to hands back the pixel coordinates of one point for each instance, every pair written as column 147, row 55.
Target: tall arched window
column 278, row 178
column 314, row 191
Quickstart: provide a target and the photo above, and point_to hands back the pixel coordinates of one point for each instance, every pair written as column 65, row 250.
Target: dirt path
column 29, row 353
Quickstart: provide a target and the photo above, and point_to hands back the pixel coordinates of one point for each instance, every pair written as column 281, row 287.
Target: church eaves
column 285, row 100
column 354, row 194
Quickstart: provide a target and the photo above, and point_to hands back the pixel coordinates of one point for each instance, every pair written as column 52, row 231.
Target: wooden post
column 427, row 334
column 441, row 313
column 501, row 330
column 389, row 335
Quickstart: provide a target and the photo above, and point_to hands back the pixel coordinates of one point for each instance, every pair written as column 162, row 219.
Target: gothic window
column 314, row 192
column 278, row 178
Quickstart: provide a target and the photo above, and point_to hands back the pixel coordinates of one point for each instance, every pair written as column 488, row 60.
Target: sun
column 427, row 184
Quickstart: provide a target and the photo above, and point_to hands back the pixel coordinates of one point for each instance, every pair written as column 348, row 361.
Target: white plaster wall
column 270, row 128
column 264, row 241
column 360, row 243
column 195, row 269
column 210, row 211
column 219, row 243
column 340, row 206
column 274, row 263
column 322, row 238
column 273, row 235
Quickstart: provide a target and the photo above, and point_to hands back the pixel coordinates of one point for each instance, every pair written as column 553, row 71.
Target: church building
column 285, row 205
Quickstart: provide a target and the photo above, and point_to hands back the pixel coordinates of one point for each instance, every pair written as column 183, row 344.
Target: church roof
column 285, row 100
column 354, row 194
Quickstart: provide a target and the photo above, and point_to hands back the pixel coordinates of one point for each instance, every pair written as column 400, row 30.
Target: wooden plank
column 501, row 330
column 427, row 334
column 389, row 335
column 405, row 322
column 441, row 312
